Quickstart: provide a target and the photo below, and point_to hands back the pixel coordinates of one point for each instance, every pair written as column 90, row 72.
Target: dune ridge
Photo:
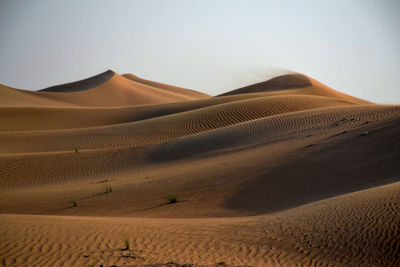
column 81, row 85
column 294, row 84
column 161, row 129
column 107, row 89
column 286, row 172
column 288, row 81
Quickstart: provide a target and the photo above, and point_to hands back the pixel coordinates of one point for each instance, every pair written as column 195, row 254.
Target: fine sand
column 285, row 172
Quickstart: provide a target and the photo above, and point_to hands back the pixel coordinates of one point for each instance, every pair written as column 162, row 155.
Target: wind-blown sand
column 283, row 172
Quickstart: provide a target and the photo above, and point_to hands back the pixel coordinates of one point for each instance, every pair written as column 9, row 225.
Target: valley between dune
column 287, row 172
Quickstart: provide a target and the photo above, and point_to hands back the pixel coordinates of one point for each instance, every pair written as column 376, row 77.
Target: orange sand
column 284, row 172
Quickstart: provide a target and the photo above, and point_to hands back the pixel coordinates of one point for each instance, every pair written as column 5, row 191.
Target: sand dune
column 284, row 82
column 295, row 84
column 266, row 138
column 162, row 128
column 284, row 172
column 190, row 93
column 104, row 90
column 11, row 97
column 81, row 85
column 48, row 118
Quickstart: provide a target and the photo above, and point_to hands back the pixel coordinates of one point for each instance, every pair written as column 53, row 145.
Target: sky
column 209, row 46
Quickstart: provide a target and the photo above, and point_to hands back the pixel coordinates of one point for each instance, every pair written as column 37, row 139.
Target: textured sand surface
column 354, row 229
column 285, row 172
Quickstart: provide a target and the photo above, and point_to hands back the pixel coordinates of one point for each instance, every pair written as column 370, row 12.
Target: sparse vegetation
column 76, row 150
column 108, row 188
column 172, row 198
column 127, row 245
column 74, row 202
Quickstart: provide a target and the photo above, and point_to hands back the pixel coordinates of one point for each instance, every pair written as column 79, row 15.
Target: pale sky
column 211, row 46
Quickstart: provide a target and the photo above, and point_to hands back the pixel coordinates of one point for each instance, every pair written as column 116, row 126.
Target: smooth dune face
column 107, row 89
column 81, row 85
column 170, row 88
column 284, row 172
column 283, row 82
column 284, row 85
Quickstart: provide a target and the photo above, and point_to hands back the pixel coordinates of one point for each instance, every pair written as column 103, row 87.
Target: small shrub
column 76, row 150
column 127, row 245
column 74, row 202
column 172, row 198
column 108, row 188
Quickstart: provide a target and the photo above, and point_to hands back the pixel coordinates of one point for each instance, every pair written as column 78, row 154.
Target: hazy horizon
column 208, row 46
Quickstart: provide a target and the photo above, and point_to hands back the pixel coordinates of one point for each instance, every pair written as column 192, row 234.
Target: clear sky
column 211, row 46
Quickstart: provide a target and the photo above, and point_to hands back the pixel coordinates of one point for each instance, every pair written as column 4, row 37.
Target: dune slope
column 82, row 84
column 294, row 84
column 283, row 82
column 107, row 89
column 167, row 87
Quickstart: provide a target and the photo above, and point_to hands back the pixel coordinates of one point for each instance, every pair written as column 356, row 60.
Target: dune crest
column 288, row 81
column 294, row 84
column 107, row 89
column 81, row 85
